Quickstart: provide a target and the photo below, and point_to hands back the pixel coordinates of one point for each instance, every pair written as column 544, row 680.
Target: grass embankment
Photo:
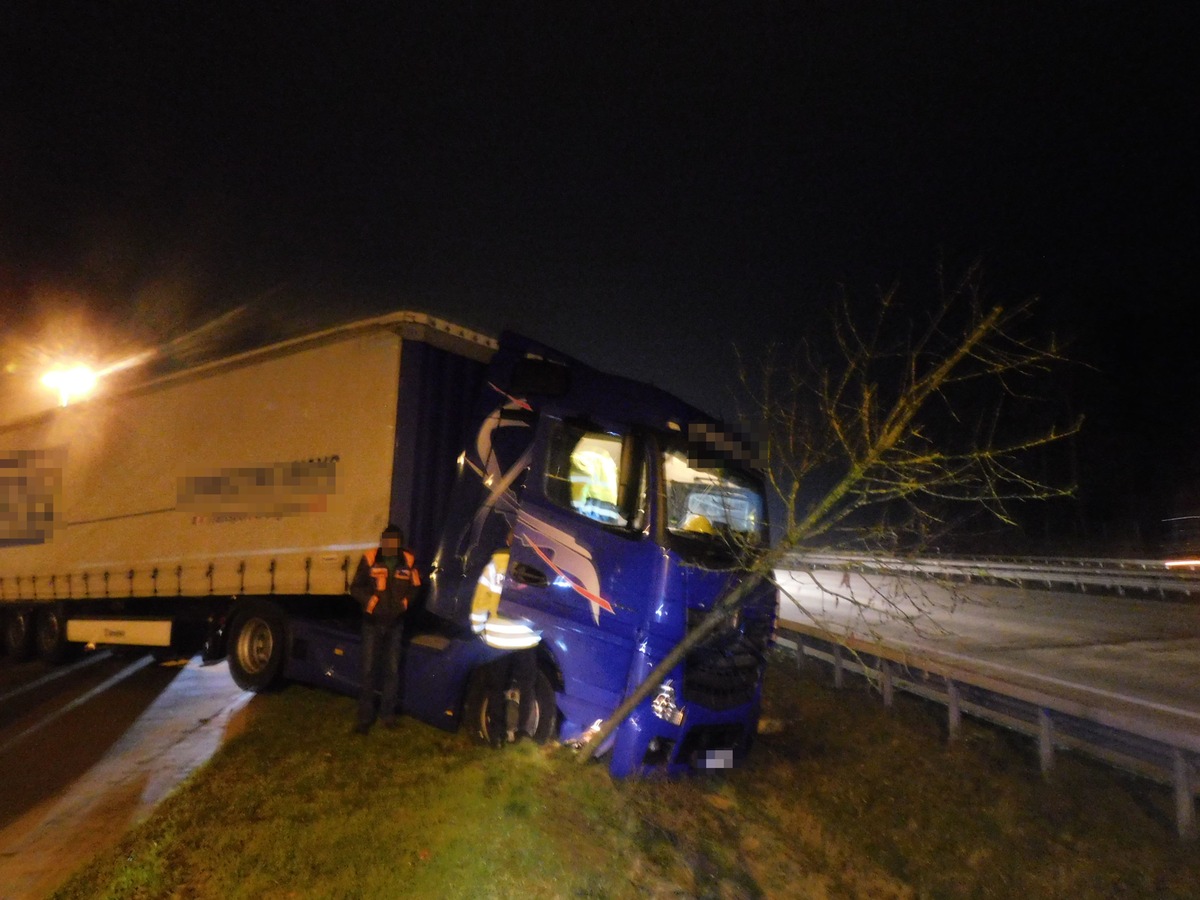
column 846, row 800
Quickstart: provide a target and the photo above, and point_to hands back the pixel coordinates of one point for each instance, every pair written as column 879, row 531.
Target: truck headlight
column 664, row 705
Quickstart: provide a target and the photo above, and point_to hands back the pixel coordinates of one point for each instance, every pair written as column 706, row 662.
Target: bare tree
column 873, row 437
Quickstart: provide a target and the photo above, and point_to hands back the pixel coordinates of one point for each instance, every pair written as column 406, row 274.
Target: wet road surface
column 88, row 749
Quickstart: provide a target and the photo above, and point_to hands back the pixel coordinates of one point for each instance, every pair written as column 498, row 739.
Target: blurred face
column 390, row 545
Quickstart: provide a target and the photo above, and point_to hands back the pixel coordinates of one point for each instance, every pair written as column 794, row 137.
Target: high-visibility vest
column 496, row 630
column 486, row 599
column 407, row 573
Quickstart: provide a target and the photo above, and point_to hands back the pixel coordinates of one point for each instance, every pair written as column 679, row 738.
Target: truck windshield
column 712, row 505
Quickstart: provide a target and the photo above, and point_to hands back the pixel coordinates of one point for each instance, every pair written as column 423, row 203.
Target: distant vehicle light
column 74, row 383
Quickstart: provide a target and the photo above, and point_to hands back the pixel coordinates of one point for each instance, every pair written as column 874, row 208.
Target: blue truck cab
column 625, row 514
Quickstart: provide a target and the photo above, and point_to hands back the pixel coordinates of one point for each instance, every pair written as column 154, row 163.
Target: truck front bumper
column 702, row 740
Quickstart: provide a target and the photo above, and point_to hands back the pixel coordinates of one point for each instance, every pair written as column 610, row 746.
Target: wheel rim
column 535, row 716
column 18, row 630
column 49, row 631
column 255, row 645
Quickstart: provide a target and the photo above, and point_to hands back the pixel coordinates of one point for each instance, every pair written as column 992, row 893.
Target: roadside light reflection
column 204, row 694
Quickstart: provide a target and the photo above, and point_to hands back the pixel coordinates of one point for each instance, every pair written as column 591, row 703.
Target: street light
column 74, row 383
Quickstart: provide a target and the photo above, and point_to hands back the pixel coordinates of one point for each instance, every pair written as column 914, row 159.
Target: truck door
column 583, row 568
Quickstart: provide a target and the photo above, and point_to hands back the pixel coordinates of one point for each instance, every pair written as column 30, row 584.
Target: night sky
column 643, row 185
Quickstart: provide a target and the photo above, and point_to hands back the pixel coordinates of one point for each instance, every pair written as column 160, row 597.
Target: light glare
column 1177, row 563
column 72, row 384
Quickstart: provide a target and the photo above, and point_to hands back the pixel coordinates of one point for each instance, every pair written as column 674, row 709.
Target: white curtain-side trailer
column 149, row 517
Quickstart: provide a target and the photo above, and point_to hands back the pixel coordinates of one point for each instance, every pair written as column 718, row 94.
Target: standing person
column 384, row 583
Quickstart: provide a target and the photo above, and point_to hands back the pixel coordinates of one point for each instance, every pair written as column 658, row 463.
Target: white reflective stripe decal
column 505, row 634
column 511, row 642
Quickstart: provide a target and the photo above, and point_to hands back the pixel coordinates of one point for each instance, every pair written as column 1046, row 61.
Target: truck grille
column 724, row 673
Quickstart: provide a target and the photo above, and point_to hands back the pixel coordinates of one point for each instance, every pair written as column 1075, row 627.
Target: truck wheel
column 479, row 698
column 51, row 635
column 545, row 710
column 475, row 707
column 18, row 634
column 256, row 643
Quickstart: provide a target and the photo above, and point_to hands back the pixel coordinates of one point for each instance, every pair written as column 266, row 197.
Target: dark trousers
column 518, row 670
column 380, row 645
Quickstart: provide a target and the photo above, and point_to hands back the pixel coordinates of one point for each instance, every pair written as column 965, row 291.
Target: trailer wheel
column 256, row 643
column 18, row 634
column 51, row 635
column 479, row 698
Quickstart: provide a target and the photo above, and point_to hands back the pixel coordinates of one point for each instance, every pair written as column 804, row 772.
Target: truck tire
column 50, row 635
column 18, row 634
column 478, row 699
column 475, row 707
column 256, row 641
column 545, row 710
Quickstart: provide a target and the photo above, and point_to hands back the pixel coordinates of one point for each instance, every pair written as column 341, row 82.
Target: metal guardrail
column 1112, row 575
column 1137, row 739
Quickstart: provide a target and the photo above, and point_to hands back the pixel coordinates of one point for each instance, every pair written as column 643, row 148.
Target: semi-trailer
column 225, row 508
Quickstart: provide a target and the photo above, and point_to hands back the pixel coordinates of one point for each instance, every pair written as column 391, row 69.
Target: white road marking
column 56, row 673
column 99, row 689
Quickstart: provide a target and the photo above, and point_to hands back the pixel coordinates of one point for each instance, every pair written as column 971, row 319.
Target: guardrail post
column 1045, row 741
column 885, row 682
column 1185, row 801
column 796, row 646
column 953, row 698
column 839, row 678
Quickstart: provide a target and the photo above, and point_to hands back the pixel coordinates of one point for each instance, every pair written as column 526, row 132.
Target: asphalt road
column 88, row 749
column 1118, row 649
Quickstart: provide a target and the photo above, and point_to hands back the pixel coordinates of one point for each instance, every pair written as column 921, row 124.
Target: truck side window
column 583, row 473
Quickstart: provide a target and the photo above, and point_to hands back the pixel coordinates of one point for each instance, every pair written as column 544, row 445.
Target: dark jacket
column 384, row 592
